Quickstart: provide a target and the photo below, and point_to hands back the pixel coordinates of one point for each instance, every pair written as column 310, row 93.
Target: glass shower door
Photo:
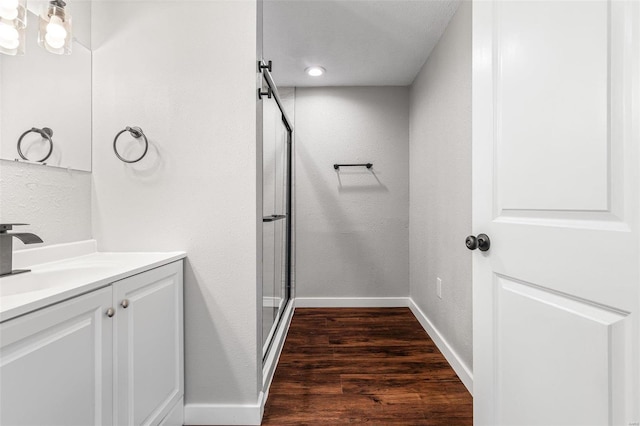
column 275, row 266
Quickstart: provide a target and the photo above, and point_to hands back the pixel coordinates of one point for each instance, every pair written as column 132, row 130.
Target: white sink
column 51, row 282
column 49, row 277
column 10, row 287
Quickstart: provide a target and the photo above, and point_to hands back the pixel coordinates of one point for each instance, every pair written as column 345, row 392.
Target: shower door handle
column 273, row 217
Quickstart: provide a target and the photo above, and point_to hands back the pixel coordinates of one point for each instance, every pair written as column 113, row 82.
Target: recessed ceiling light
column 315, row 71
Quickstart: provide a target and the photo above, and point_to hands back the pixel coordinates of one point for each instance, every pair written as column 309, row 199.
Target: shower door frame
column 289, row 290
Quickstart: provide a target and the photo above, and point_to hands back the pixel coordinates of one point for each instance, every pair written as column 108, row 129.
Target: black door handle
column 471, row 242
column 481, row 242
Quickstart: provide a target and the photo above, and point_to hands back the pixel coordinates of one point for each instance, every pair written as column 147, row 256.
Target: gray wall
column 440, row 211
column 352, row 226
column 193, row 93
column 55, row 202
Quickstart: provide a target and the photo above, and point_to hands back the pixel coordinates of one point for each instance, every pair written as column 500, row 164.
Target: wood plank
column 363, row 365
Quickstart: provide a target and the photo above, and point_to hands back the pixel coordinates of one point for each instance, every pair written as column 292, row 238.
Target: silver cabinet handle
column 111, row 312
column 125, row 303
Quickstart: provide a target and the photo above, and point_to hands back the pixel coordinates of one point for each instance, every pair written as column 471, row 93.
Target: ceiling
column 358, row 42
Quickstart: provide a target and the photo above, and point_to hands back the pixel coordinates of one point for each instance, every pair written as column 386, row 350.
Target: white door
column 56, row 364
column 149, row 357
column 556, row 135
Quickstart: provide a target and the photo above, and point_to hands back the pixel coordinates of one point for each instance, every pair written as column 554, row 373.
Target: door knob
column 471, row 242
column 111, row 312
column 481, row 242
column 125, row 303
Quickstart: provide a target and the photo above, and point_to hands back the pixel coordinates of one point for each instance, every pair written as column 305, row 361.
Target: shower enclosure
column 277, row 212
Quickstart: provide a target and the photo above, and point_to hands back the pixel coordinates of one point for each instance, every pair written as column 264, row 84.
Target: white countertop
column 61, row 279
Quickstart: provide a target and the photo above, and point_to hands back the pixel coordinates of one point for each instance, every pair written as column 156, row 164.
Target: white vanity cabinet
column 113, row 356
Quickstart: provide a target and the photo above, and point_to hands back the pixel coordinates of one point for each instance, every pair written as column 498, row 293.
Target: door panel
column 574, row 360
column 556, row 132
column 149, row 344
column 551, row 105
column 56, row 364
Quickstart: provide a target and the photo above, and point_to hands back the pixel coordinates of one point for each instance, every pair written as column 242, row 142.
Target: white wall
column 440, row 212
column 192, row 90
column 352, row 226
column 55, row 202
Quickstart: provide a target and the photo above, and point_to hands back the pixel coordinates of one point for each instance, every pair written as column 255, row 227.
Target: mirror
column 38, row 90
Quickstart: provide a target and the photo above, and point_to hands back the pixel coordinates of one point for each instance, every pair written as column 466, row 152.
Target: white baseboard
column 220, row 414
column 461, row 369
column 271, row 302
column 352, row 302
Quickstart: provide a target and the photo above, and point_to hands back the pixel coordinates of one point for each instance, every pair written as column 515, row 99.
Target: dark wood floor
column 364, row 365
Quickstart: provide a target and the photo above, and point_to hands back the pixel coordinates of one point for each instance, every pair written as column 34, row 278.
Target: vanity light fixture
column 54, row 32
column 13, row 20
column 315, row 71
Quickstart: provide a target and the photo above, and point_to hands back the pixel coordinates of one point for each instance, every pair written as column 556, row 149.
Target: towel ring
column 137, row 133
column 46, row 133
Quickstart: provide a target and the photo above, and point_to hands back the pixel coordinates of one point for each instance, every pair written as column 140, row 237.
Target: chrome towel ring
column 46, row 133
column 137, row 133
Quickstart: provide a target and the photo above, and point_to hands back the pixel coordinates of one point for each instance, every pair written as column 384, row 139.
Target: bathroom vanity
column 92, row 339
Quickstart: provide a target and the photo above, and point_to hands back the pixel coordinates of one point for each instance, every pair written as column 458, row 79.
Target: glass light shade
column 12, row 38
column 14, row 10
column 54, row 29
column 13, row 20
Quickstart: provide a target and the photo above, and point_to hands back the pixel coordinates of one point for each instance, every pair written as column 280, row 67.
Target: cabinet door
column 56, row 364
column 149, row 342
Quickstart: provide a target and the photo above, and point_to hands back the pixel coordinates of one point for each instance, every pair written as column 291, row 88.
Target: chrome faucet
column 6, row 247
